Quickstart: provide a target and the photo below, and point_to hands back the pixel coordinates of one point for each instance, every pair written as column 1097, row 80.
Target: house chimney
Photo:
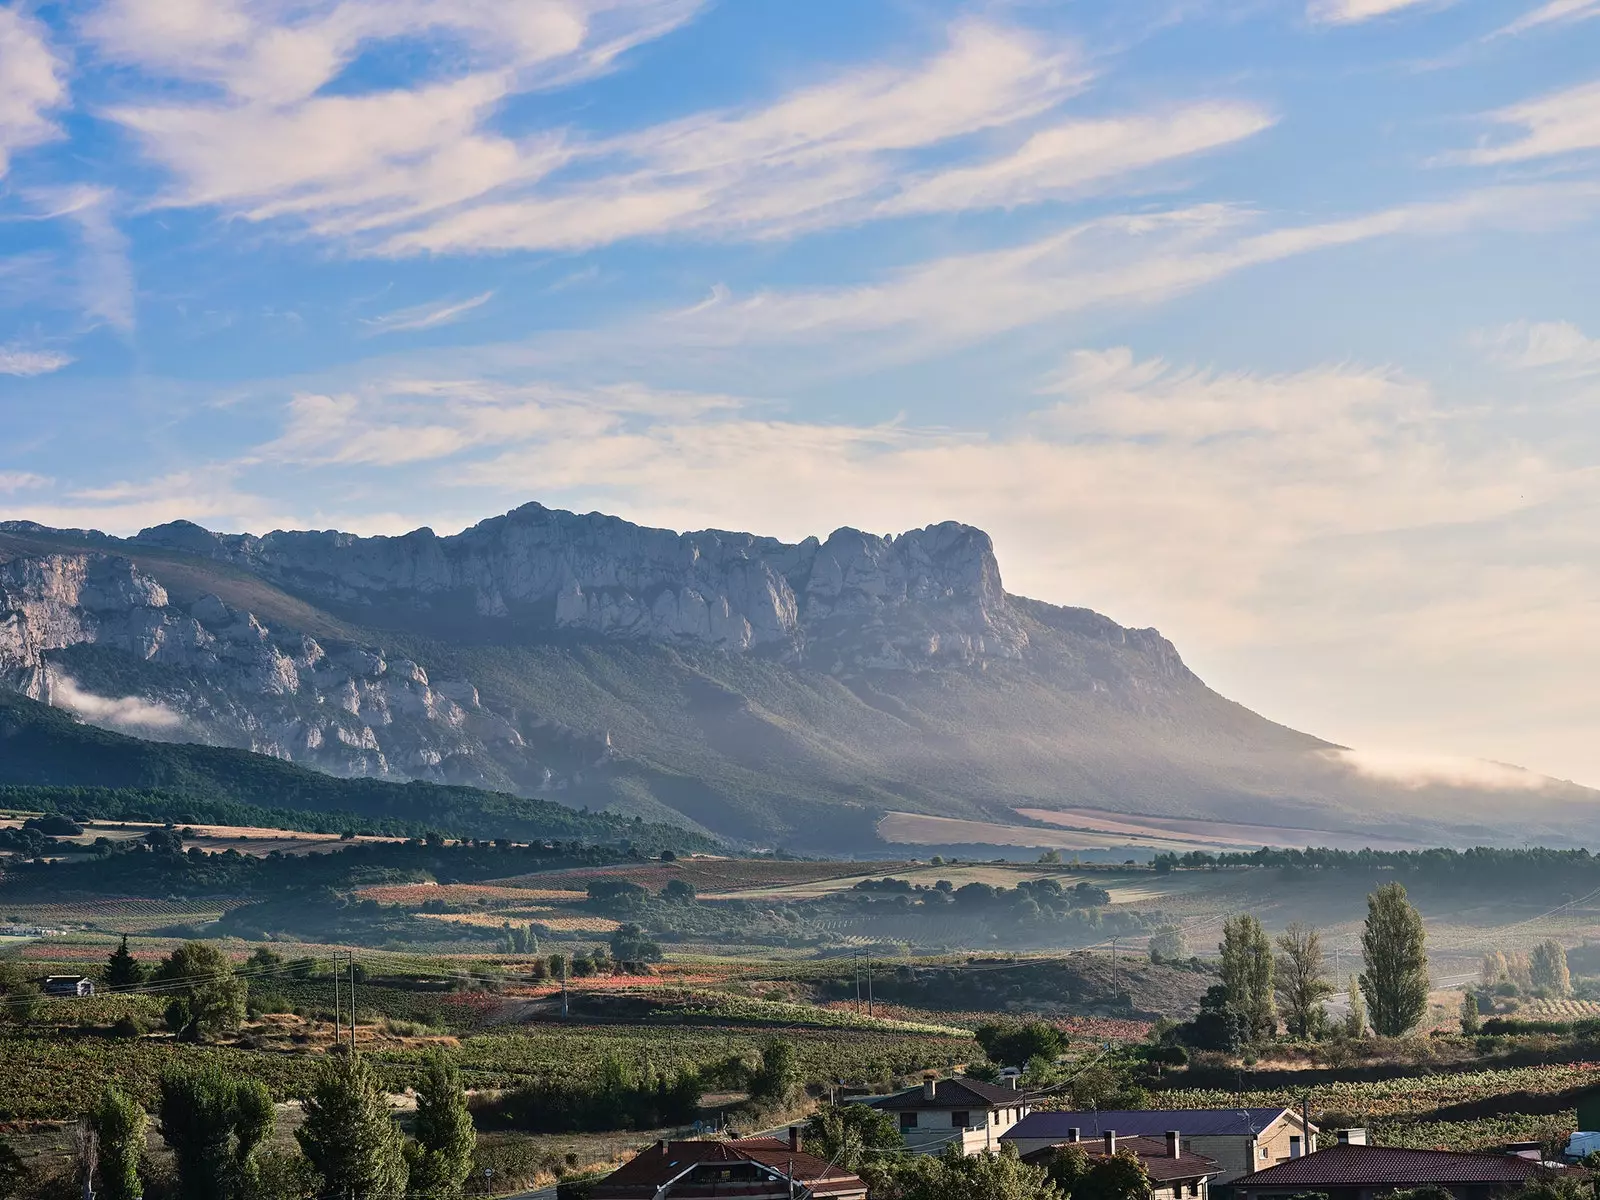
column 1014, row 1082
column 1352, row 1137
column 1074, row 1134
column 930, row 1087
column 794, row 1139
column 1111, row 1141
column 1174, row 1141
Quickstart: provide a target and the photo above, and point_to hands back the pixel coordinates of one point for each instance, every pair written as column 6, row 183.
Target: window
column 1264, row 1152
column 960, row 1120
column 908, row 1120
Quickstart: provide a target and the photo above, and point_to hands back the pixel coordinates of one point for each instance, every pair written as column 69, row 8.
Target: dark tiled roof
column 1152, row 1152
column 1154, row 1122
column 658, row 1164
column 1391, row 1166
column 955, row 1093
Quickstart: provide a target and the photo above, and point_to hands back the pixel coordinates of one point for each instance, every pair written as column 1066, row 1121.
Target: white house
column 960, row 1112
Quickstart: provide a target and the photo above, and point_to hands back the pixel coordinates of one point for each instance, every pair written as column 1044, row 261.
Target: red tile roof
column 1392, row 1166
column 663, row 1162
column 954, row 1093
column 1151, row 1152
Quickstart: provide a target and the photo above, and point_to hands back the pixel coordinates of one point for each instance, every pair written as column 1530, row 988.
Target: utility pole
column 563, row 987
column 855, row 963
column 869, row 983
column 338, row 1036
column 1113, row 964
column 1306, row 1144
column 352, row 1002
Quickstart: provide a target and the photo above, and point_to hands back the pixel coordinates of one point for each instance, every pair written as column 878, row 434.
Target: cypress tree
column 118, row 1122
column 1393, row 946
column 122, row 969
column 349, row 1136
column 441, row 1158
column 214, row 1124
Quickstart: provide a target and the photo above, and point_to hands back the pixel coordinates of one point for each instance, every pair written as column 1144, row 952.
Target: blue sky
column 1270, row 323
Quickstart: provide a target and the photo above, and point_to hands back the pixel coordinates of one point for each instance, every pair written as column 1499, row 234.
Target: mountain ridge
column 765, row 691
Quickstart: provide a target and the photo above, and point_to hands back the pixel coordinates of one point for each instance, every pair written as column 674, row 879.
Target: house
column 748, row 1168
column 1352, row 1170
column 68, row 985
column 1241, row 1140
column 1175, row 1173
column 955, row 1112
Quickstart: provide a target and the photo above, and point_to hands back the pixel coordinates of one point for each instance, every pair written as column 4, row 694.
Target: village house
column 747, row 1168
column 955, row 1112
column 1352, row 1170
column 1240, row 1140
column 1175, row 1173
column 68, row 985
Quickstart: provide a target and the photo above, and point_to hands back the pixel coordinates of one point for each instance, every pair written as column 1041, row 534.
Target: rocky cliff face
column 209, row 672
column 854, row 601
column 719, row 677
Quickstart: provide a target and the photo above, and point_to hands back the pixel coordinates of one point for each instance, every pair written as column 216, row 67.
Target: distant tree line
column 1481, row 866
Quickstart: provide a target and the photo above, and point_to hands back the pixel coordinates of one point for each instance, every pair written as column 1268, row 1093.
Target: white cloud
column 426, row 316
column 1351, row 12
column 400, row 421
column 1556, row 12
column 1065, row 158
column 1441, row 770
column 104, row 270
column 1557, row 123
column 1543, row 345
column 14, row 360
column 131, row 713
column 35, row 84
column 425, row 169
column 21, row 481
column 1125, row 259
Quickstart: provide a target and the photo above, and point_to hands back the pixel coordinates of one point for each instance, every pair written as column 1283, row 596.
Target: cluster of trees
column 1263, row 980
column 1044, row 894
column 617, row 1096
column 1481, row 866
column 1018, row 1044
column 218, row 1128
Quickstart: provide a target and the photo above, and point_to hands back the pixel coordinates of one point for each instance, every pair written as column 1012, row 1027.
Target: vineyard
column 1451, row 1111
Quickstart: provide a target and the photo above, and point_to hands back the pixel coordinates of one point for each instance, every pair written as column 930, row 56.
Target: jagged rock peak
column 927, row 594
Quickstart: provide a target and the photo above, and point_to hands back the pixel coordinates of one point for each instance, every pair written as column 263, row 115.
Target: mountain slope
column 768, row 692
column 42, row 747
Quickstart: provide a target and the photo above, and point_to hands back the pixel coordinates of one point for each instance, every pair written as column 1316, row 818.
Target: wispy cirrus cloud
column 21, row 481
column 426, row 168
column 1128, row 260
column 1556, row 12
column 35, row 84
column 425, row 316
column 1556, row 123
column 1558, row 346
column 1352, row 12
column 17, row 360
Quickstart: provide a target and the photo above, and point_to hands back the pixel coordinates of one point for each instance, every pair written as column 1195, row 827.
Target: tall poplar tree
column 1393, row 945
column 1301, row 982
column 1247, row 973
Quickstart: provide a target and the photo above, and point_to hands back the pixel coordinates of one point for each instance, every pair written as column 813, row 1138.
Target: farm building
column 68, row 985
